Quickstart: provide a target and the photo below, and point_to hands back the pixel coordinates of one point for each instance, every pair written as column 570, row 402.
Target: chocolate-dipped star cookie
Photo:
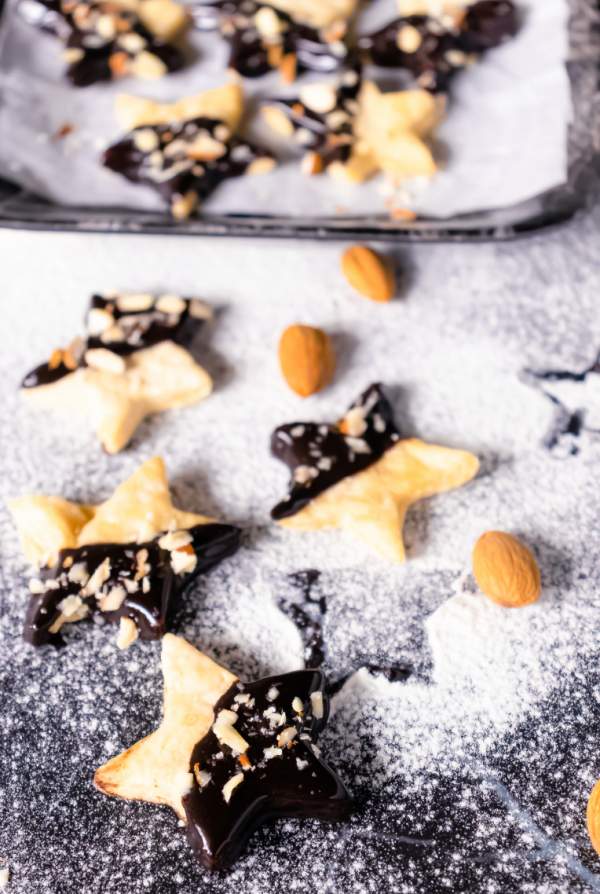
column 354, row 130
column 434, row 47
column 361, row 476
column 186, row 149
column 127, row 559
column 264, row 37
column 108, row 39
column 229, row 756
column 131, row 363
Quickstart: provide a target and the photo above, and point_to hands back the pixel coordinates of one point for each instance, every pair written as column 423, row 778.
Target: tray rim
column 21, row 209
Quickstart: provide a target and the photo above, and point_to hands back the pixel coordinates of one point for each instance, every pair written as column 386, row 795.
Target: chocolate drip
column 99, row 57
column 320, row 456
column 183, row 171
column 142, row 574
column 253, row 54
column 114, row 325
column 48, row 373
column 292, row 783
column 442, row 50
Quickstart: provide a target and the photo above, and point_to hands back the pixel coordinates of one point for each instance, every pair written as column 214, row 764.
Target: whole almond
column 369, row 273
column 593, row 817
column 306, row 358
column 505, row 570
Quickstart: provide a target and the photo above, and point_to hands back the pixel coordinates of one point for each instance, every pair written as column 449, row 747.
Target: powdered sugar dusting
column 470, row 775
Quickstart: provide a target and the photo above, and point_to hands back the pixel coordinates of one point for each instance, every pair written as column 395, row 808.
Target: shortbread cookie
column 126, row 559
column 291, row 37
column 354, row 130
column 109, row 39
column 361, row 476
column 132, row 363
column 229, row 756
column 433, row 47
column 186, row 149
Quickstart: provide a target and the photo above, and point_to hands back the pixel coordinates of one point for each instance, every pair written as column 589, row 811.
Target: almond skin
column 593, row 817
column 505, row 570
column 369, row 273
column 306, row 358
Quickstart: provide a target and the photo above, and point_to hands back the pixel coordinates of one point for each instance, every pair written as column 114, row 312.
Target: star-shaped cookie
column 185, row 149
column 131, row 364
column 229, row 756
column 106, row 40
column 353, row 130
column 127, row 558
column 361, row 476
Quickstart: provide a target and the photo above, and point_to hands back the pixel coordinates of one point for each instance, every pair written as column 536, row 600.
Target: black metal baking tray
column 21, row 209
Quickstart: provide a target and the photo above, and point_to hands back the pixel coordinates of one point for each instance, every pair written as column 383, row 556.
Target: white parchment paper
column 504, row 139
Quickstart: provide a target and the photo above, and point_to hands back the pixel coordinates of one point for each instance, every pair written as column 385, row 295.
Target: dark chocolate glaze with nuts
column 143, row 572
column 329, row 134
column 320, row 455
column 98, row 56
column 253, row 54
column 442, row 50
column 173, row 167
column 114, row 325
column 293, row 783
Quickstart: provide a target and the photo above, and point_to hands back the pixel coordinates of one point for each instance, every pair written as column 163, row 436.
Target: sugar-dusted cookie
column 131, row 363
column 360, row 475
column 229, row 756
column 353, row 130
column 433, row 41
column 291, row 36
column 109, row 39
column 184, row 149
column 126, row 559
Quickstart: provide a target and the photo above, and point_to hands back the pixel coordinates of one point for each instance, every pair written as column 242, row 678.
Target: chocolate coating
column 177, row 173
column 442, row 51
column 296, row 783
column 487, row 24
column 320, row 455
column 126, row 331
column 97, row 53
column 428, row 64
column 253, row 55
column 330, row 133
column 148, row 605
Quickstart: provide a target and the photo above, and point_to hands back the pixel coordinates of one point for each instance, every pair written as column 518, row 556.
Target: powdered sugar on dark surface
column 471, row 774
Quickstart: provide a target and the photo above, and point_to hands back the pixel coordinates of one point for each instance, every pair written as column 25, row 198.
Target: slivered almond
column 118, row 64
column 56, row 358
column 312, row 163
column 288, row 68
